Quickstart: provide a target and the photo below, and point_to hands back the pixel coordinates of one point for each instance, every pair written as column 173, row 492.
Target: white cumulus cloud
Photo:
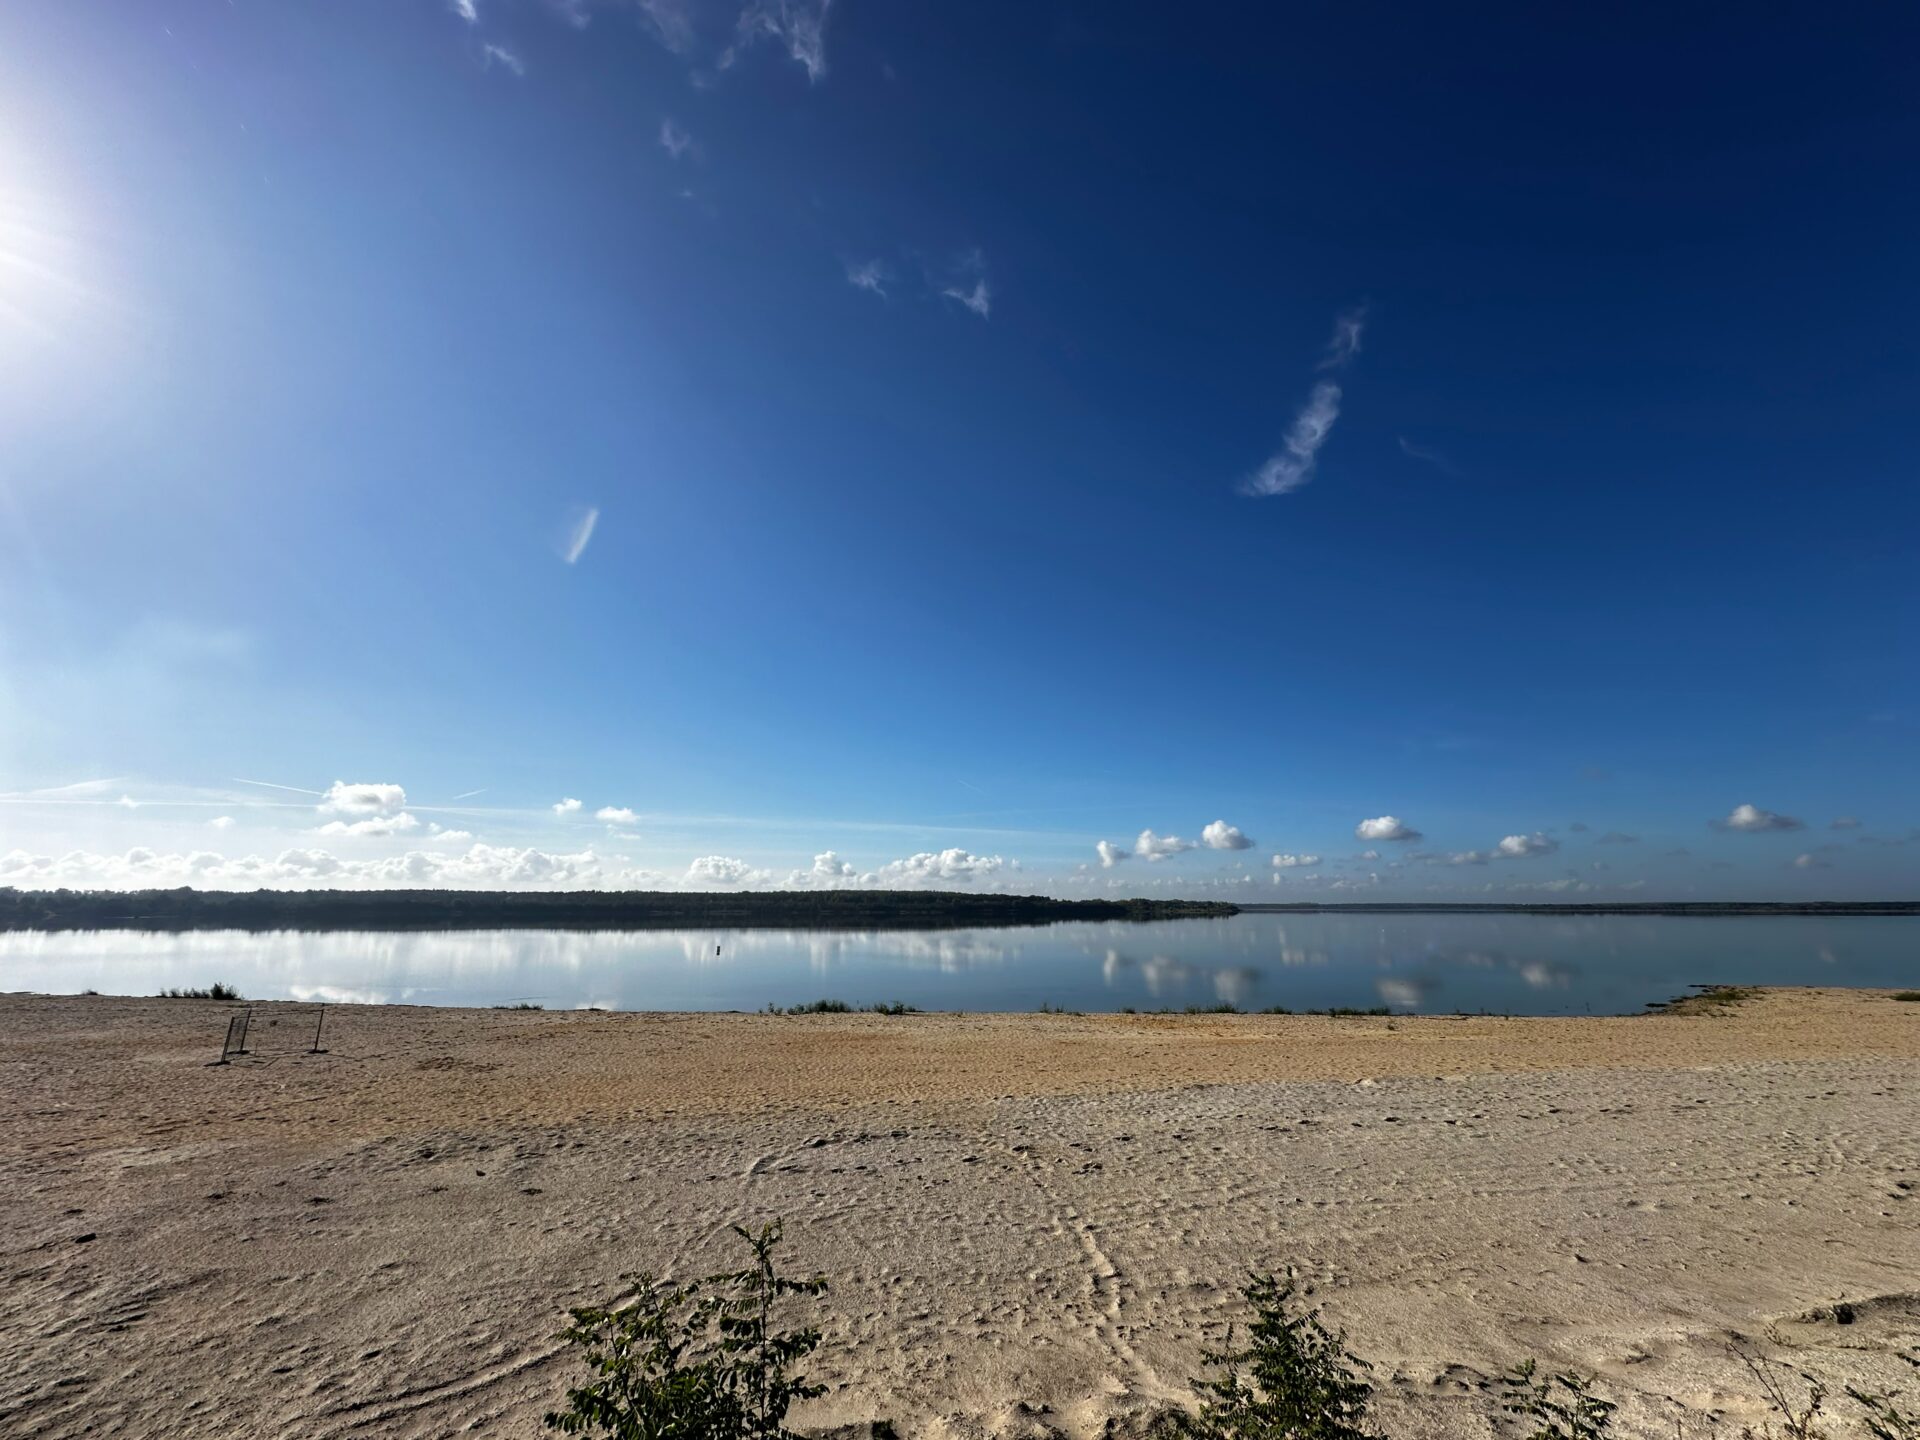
column 1385, row 827
column 1110, row 854
column 1150, row 846
column 222, row 822
column 1222, row 836
column 933, row 866
column 1515, row 847
column 1752, row 819
column 567, row 806
column 363, row 798
column 480, row 867
column 723, row 870
column 615, row 815
column 1295, row 862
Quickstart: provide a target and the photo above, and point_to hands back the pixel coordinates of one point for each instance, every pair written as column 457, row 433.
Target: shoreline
column 1031, row 1222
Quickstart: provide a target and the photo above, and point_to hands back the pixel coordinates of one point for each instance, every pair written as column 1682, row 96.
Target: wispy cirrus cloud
column 1348, row 327
column 965, row 280
column 492, row 54
column 1292, row 465
column 797, row 26
column 869, row 275
column 577, row 532
column 670, row 22
column 1428, row 456
column 467, row 11
column 675, row 140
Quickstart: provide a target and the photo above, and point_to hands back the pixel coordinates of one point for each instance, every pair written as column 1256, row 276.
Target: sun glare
column 46, row 285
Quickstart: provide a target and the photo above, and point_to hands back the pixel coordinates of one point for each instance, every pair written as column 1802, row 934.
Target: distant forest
column 1642, row 907
column 187, row 909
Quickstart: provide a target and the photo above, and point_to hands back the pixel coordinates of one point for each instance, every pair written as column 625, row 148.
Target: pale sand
column 1029, row 1222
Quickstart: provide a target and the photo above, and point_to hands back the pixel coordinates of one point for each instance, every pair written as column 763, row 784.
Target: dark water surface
column 1520, row 964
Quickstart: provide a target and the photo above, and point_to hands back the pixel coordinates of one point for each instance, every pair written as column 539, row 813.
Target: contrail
column 471, row 793
column 271, row 786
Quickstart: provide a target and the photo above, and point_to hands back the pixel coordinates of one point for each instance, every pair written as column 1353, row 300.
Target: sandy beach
column 1030, row 1223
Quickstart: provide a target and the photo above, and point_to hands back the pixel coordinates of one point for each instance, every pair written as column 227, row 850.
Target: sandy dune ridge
column 1029, row 1222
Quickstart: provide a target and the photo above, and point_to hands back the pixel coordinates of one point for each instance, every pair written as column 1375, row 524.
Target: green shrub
column 813, row 1007
column 1562, row 1407
column 1906, row 994
column 700, row 1361
column 1294, row 1380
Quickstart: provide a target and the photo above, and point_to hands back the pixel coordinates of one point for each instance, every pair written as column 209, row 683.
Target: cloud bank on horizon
column 392, row 840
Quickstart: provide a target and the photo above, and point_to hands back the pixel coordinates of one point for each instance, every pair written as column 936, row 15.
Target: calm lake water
column 1521, row 964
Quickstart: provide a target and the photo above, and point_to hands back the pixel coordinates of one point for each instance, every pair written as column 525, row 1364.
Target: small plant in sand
column 1799, row 1415
column 1906, row 994
column 1562, row 1407
column 812, row 1007
column 701, row 1361
column 1293, row 1380
column 1711, row 1000
column 1886, row 1420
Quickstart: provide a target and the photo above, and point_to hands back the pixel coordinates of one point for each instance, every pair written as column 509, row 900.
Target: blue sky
column 946, row 438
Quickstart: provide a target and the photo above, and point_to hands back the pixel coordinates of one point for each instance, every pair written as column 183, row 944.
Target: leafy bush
column 215, row 991
column 1563, row 1407
column 1294, row 1380
column 699, row 1361
column 1906, row 994
column 813, row 1007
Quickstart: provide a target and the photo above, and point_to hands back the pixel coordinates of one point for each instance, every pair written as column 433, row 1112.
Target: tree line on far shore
column 190, row 909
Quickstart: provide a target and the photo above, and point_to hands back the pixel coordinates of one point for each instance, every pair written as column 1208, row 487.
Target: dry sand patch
column 1029, row 1220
